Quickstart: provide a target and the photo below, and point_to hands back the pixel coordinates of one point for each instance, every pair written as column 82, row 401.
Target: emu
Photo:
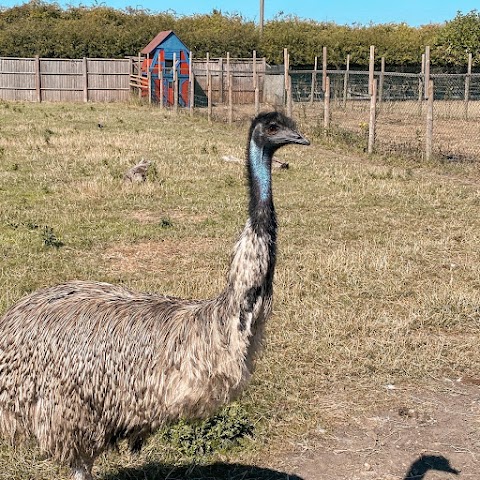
column 85, row 364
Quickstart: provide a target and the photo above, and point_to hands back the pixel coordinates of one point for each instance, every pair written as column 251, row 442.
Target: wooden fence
column 108, row 80
column 77, row 80
column 242, row 75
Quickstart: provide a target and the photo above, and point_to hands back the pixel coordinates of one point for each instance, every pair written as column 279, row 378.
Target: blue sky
column 412, row 12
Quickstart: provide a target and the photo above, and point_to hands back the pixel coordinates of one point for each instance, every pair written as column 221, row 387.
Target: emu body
column 84, row 364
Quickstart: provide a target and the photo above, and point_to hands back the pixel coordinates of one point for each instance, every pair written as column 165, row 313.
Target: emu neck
column 261, row 210
column 249, row 289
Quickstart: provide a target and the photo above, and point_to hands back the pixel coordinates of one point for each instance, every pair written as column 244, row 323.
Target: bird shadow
column 419, row 468
column 216, row 471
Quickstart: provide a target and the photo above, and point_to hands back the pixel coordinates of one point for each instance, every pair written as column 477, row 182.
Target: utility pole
column 262, row 10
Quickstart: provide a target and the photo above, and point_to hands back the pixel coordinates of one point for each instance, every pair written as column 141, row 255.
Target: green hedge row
column 47, row 30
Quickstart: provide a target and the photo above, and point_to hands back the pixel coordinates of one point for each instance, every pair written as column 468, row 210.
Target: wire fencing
column 401, row 107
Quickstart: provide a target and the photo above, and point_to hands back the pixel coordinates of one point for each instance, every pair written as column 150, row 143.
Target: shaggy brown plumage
column 84, row 364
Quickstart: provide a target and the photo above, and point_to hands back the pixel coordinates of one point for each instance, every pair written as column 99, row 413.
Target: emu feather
column 85, row 364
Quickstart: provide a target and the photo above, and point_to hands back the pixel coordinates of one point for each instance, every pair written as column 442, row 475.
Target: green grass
column 377, row 279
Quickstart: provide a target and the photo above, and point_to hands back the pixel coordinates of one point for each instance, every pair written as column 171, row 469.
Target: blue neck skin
column 260, row 168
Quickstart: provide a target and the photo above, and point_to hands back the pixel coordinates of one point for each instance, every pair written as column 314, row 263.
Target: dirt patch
column 432, row 433
column 159, row 256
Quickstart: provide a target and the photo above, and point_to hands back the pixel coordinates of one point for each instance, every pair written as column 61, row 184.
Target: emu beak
column 291, row 136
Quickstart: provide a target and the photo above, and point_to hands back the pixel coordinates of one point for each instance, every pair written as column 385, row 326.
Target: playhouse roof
column 159, row 39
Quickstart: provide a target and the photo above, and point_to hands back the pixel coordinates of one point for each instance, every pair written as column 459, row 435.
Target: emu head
column 273, row 130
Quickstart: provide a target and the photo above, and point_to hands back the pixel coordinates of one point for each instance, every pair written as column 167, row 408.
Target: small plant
column 213, row 434
column 47, row 135
column 363, row 128
column 50, row 239
column 209, row 149
column 165, row 222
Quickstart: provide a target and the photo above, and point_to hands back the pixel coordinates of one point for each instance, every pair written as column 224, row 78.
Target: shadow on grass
column 216, row 471
column 423, row 464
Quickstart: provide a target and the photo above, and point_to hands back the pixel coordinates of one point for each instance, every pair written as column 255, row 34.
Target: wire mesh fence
column 401, row 110
column 401, row 107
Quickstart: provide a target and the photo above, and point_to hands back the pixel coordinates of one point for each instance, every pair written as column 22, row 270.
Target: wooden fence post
column 175, row 83
column 345, row 81
column 429, row 126
column 314, row 81
column 139, row 73
column 372, row 120
column 38, row 79
column 149, row 79
column 209, row 90
column 255, row 83
column 288, row 82
column 85, row 79
column 326, row 104
column 467, row 86
column 230, row 91
column 230, row 99
column 191, row 83
column 371, row 69
column 161, row 89
column 264, row 71
column 220, row 80
column 324, row 68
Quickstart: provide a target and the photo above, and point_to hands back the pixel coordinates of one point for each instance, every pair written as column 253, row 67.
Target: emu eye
column 272, row 129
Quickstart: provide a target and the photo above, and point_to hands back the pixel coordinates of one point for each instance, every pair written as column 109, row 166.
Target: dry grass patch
column 152, row 217
column 157, row 256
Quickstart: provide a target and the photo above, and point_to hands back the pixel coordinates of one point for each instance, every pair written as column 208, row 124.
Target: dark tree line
column 47, row 30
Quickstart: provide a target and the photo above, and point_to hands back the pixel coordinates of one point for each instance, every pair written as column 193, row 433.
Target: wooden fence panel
column 64, row 80
column 61, row 80
column 108, row 80
column 17, row 79
column 241, row 70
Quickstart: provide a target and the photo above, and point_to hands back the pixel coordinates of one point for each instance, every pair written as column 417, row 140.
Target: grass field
column 377, row 283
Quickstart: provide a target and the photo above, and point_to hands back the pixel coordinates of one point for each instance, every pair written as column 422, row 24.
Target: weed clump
column 50, row 239
column 216, row 433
